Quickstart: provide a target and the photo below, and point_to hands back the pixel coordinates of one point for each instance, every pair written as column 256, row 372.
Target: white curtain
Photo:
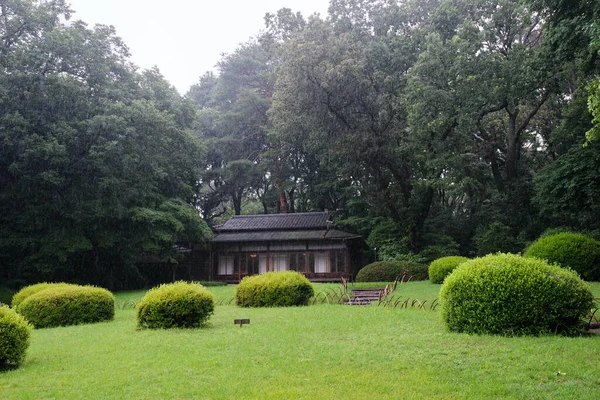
column 225, row 265
column 321, row 263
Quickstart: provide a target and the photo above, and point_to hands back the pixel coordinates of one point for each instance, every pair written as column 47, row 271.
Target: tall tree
column 340, row 87
column 233, row 120
column 97, row 161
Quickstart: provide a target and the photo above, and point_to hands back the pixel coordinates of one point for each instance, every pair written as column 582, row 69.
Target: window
column 337, row 261
column 298, row 262
column 321, row 263
column 226, row 265
column 279, row 262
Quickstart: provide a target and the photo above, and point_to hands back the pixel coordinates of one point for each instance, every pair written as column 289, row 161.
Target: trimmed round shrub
column 68, row 305
column 574, row 250
column 388, row 271
column 33, row 289
column 175, row 305
column 15, row 333
column 512, row 295
column 274, row 289
column 442, row 267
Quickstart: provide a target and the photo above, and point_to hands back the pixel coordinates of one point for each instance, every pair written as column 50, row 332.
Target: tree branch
column 533, row 112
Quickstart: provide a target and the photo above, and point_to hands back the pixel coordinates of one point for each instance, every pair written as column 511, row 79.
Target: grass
column 316, row 352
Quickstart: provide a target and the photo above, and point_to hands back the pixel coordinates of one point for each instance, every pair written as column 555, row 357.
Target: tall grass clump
column 175, row 305
column 442, row 267
column 15, row 334
column 274, row 289
column 388, row 271
column 512, row 295
column 33, row 289
column 68, row 305
column 573, row 250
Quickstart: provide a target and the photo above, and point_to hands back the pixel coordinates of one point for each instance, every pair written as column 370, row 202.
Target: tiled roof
column 277, row 222
column 265, row 236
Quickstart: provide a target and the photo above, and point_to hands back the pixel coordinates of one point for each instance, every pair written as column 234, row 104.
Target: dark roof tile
column 283, row 236
column 272, row 222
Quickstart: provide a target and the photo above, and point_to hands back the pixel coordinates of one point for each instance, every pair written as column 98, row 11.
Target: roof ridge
column 279, row 215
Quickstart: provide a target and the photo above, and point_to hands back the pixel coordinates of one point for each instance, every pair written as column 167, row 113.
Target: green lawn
column 316, row 352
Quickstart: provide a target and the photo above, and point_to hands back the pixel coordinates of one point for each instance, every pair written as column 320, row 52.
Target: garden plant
column 512, row 295
column 33, row 289
column 15, row 333
column 68, row 305
column 573, row 250
column 388, row 271
column 175, row 305
column 442, row 267
column 274, row 289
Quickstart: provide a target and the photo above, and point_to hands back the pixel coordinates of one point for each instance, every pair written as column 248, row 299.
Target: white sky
column 185, row 38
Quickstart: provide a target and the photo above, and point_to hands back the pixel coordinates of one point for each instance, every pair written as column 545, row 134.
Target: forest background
column 430, row 127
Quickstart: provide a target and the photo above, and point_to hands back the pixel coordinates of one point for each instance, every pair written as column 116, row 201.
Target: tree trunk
column 283, row 204
column 236, row 199
column 513, row 145
column 419, row 220
column 291, row 196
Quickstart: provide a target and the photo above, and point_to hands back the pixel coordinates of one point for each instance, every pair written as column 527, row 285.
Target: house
column 304, row 242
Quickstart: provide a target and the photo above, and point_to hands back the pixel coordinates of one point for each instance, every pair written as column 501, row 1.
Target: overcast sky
column 185, row 38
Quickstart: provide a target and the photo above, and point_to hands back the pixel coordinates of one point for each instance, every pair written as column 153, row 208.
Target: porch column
column 239, row 263
column 347, row 261
column 268, row 256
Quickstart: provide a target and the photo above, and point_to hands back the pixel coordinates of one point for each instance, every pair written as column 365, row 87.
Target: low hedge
column 175, row 305
column 274, row 289
column 33, row 289
column 15, row 334
column 442, row 267
column 574, row 250
column 388, row 271
column 68, row 305
column 512, row 295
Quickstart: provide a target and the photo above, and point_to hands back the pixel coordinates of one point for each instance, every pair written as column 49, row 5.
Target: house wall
column 318, row 261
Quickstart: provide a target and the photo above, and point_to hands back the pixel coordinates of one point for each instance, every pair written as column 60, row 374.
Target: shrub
column 388, row 271
column 442, row 267
column 573, row 250
column 513, row 295
column 15, row 333
column 175, row 305
column 68, row 305
column 274, row 289
column 32, row 289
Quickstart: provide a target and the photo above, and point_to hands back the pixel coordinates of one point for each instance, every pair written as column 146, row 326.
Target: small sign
column 241, row 322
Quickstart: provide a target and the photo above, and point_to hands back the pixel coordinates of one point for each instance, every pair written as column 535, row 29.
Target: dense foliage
column 175, row 305
column 508, row 294
column 274, row 289
column 6, row 295
column 97, row 160
column 442, row 267
column 68, row 305
column 15, row 334
column 573, row 250
column 388, row 271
